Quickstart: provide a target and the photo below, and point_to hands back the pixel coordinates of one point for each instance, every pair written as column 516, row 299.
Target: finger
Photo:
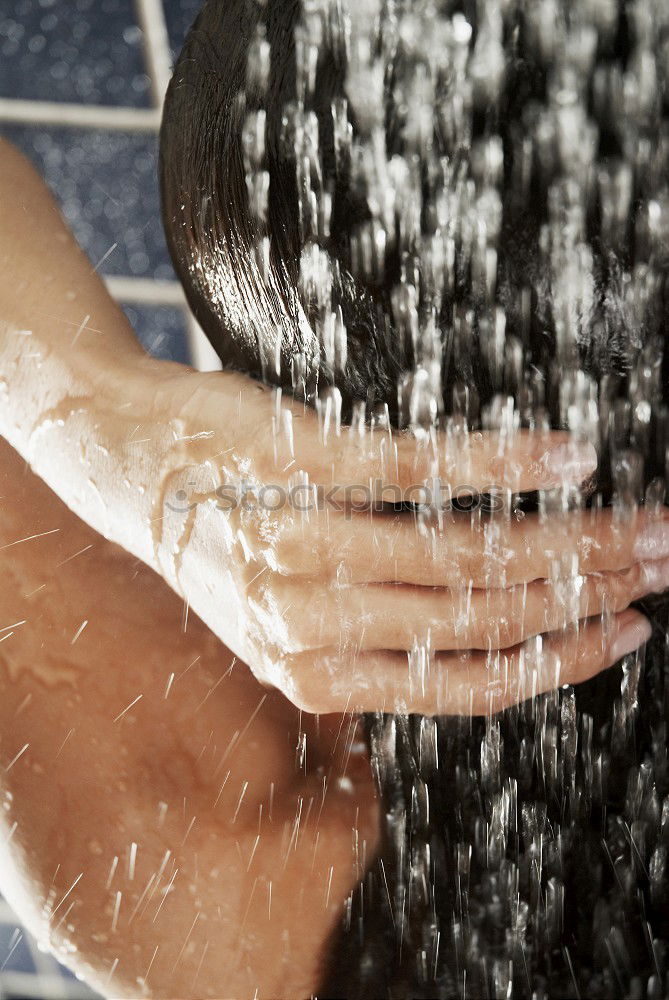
column 396, row 617
column 520, row 461
column 461, row 683
column 486, row 552
column 524, row 461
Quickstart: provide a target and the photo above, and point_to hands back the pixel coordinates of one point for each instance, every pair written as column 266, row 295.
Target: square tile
column 162, row 330
column 15, row 954
column 88, row 51
column 179, row 15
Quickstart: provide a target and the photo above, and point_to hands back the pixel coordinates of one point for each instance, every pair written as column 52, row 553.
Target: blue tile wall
column 14, row 950
column 106, row 184
column 87, row 51
column 161, row 330
column 179, row 15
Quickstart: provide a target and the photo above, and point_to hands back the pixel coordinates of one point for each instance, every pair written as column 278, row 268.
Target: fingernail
column 656, row 575
column 653, row 541
column 572, row 461
column 633, row 631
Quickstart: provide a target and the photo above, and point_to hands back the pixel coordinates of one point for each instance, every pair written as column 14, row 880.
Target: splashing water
column 482, row 194
column 506, row 170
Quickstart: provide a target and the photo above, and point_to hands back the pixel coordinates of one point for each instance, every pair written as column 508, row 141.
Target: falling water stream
column 485, row 184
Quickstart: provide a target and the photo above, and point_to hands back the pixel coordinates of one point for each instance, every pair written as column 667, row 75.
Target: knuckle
column 328, row 556
column 616, row 589
column 305, row 549
column 294, row 553
column 312, row 617
column 623, row 586
column 315, row 684
column 289, row 612
column 305, row 689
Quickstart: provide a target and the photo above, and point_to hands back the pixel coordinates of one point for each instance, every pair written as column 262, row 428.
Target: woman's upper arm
column 47, row 284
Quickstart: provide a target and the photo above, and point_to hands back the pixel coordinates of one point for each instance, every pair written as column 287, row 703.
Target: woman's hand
column 350, row 609
column 341, row 609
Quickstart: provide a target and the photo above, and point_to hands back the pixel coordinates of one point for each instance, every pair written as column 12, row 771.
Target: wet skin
column 259, row 835
column 305, row 600
column 203, row 765
column 110, row 760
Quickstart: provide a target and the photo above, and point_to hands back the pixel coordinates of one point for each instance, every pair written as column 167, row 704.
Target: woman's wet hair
column 494, row 207
column 459, row 209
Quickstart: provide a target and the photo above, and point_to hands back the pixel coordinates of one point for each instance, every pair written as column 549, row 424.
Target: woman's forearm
column 99, row 454
column 113, row 432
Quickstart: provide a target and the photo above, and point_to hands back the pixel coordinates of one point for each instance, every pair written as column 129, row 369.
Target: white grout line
column 7, row 915
column 151, row 17
column 146, row 291
column 79, row 115
column 202, row 354
column 34, row 986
